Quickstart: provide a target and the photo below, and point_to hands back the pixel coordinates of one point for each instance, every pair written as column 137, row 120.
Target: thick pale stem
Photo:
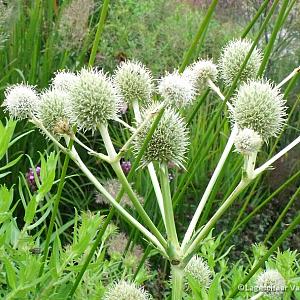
column 177, row 282
column 289, row 77
column 257, row 296
column 209, row 188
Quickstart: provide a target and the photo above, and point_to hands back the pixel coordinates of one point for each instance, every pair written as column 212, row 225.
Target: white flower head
column 94, row 99
column 177, row 90
column 247, row 141
column 199, row 270
column 271, row 282
column 259, row 105
column 20, row 101
column 233, row 56
column 200, row 71
column 134, row 82
column 64, row 80
column 124, row 290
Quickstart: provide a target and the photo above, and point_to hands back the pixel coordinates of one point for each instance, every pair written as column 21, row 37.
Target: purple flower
column 126, row 166
column 30, row 177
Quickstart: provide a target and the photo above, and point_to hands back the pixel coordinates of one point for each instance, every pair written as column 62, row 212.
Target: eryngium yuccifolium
column 199, row 72
column 199, row 270
column 271, row 282
column 20, row 101
column 169, row 141
column 53, row 111
column 124, row 290
column 134, row 82
column 247, row 141
column 177, row 90
column 94, row 100
column 232, row 58
column 64, row 80
column 258, row 105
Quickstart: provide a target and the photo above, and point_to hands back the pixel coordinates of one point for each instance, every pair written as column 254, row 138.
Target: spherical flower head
column 94, row 99
column 134, row 82
column 117, row 245
column 271, row 283
column 199, row 270
column 247, row 141
column 124, row 290
column 64, row 80
column 20, row 101
column 199, row 73
column 177, row 90
column 53, row 112
column 169, row 141
column 258, row 105
column 233, row 56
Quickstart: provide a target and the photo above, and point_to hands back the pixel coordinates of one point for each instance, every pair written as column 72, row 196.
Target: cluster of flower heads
column 31, row 179
column 124, row 290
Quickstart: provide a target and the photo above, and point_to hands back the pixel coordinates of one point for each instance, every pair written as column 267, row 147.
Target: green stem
column 55, row 208
column 99, row 32
column 177, row 282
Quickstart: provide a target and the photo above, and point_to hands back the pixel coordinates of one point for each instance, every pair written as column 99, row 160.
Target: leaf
column 30, row 210
column 6, row 134
column 12, row 163
column 10, row 273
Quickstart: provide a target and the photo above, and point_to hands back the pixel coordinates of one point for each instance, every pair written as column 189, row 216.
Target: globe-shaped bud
column 124, row 290
column 199, row 270
column 233, row 56
column 169, row 141
column 134, row 82
column 271, row 283
column 53, row 111
column 64, row 80
column 94, row 100
column 20, row 101
column 258, row 105
column 247, row 141
column 200, row 71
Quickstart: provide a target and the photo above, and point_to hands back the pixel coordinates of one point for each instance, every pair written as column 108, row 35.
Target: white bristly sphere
column 247, row 141
column 64, row 80
column 271, row 283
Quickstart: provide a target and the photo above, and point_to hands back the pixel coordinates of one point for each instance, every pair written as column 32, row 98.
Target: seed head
column 169, row 142
column 134, row 82
column 20, row 101
column 176, row 90
column 199, row 72
column 233, row 56
column 247, row 141
column 199, row 270
column 64, row 80
column 53, row 111
column 94, row 100
column 124, row 290
column 258, row 105
column 271, row 282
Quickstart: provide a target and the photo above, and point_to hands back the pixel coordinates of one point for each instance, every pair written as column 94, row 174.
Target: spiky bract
column 94, row 100
column 232, row 58
column 134, row 82
column 200, row 71
column 169, row 141
column 20, row 101
column 53, row 111
column 271, row 282
column 247, row 141
column 124, row 290
column 177, row 90
column 199, row 270
column 258, row 105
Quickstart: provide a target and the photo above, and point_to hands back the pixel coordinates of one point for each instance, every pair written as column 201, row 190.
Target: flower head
column 134, row 82
column 247, row 141
column 258, row 105
column 64, row 80
column 169, row 141
column 199, row 270
column 233, row 56
column 94, row 100
column 271, row 282
column 200, row 71
column 177, row 90
column 124, row 290
column 20, row 101
column 53, row 111
column 31, row 179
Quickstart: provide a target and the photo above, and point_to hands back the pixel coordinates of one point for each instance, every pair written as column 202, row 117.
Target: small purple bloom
column 30, row 177
column 126, row 166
